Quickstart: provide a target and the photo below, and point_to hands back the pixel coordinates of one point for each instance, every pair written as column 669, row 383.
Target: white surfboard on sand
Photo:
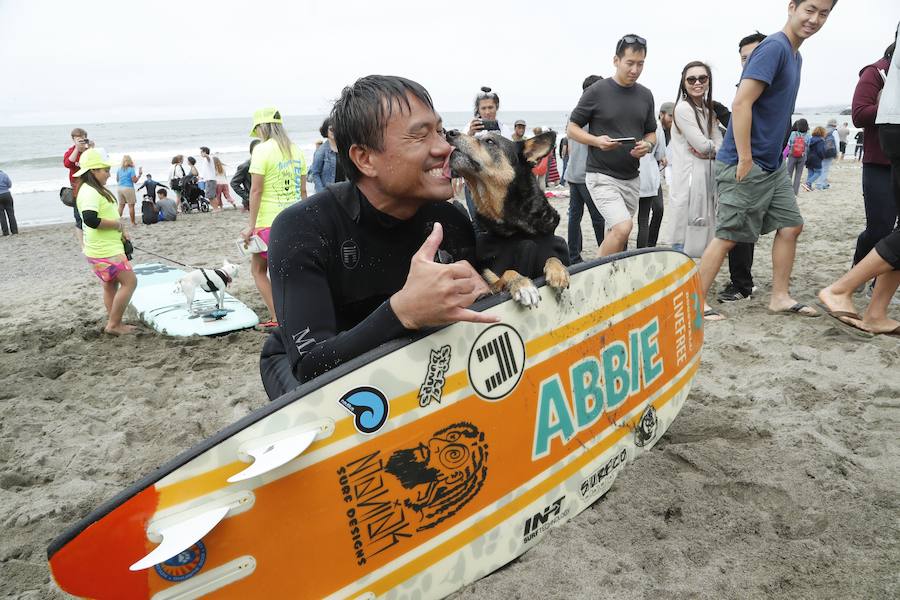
column 419, row 466
column 158, row 305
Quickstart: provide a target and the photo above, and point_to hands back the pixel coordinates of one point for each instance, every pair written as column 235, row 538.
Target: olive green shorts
column 762, row 202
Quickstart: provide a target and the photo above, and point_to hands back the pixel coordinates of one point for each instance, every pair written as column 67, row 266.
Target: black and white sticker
column 496, row 362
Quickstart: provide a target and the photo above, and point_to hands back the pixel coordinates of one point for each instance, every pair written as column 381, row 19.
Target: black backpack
column 149, row 213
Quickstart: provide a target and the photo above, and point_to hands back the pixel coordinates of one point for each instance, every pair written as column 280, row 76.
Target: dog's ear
column 536, row 148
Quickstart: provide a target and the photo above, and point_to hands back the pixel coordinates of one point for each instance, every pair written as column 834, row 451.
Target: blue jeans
column 813, row 175
column 579, row 197
column 826, row 166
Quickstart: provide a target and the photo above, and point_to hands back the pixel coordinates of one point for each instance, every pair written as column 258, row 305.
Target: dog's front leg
column 520, row 287
column 188, row 290
column 556, row 275
column 220, row 299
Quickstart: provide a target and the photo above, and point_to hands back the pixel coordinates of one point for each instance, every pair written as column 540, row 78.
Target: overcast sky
column 98, row 60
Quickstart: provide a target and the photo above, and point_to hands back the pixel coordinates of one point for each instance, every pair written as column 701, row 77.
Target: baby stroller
column 192, row 197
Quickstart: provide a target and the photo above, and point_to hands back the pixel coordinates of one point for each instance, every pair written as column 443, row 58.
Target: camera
column 490, row 125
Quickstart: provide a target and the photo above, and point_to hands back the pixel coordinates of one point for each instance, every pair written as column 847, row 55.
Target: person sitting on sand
column 354, row 266
column 168, row 208
column 104, row 238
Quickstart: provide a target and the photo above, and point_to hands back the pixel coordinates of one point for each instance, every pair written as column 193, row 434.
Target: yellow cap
column 270, row 114
column 92, row 158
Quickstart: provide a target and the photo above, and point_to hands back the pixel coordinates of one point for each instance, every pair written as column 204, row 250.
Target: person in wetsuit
column 376, row 257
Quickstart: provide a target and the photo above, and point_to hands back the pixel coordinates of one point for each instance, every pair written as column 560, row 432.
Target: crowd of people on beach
column 732, row 175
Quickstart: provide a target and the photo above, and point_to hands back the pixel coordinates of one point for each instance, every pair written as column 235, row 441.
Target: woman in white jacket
column 695, row 140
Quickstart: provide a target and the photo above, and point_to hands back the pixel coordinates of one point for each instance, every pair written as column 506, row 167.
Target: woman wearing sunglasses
column 695, row 141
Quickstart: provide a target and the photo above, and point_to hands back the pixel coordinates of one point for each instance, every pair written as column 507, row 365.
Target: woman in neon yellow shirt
column 277, row 180
column 104, row 239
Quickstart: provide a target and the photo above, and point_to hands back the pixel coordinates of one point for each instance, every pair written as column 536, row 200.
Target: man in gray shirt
column 167, row 206
column 621, row 119
column 578, row 192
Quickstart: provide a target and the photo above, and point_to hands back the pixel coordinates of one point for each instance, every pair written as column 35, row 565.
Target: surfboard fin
column 271, row 456
column 179, row 537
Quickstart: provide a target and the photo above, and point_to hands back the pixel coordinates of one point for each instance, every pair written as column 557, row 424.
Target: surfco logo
column 369, row 407
column 496, row 362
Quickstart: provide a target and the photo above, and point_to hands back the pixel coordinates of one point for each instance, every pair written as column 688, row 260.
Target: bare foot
column 711, row 314
column 791, row 306
column 120, row 329
column 837, row 303
column 879, row 326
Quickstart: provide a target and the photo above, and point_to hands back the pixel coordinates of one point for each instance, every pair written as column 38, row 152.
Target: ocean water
column 32, row 156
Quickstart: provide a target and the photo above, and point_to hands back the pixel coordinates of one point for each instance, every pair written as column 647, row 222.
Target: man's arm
column 748, row 93
column 239, row 181
column 305, row 307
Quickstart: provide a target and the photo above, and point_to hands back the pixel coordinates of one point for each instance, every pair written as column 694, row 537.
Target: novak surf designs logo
column 369, row 407
column 391, row 498
column 496, row 362
column 184, row 565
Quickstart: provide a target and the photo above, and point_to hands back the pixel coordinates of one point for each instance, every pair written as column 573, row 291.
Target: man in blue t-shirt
column 755, row 194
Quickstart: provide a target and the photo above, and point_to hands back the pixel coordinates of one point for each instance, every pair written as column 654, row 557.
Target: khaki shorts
column 761, row 203
column 616, row 199
column 126, row 196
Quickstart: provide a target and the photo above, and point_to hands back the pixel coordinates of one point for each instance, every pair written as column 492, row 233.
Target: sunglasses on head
column 692, row 80
column 631, row 39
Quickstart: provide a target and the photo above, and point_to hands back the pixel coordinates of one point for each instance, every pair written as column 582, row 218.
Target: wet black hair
column 253, row 144
column 753, row 38
column 590, row 80
column 360, row 116
column 323, row 129
column 486, row 94
column 799, row 2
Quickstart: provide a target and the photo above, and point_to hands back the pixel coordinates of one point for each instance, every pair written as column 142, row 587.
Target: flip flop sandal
column 796, row 309
column 892, row 333
column 267, row 325
column 711, row 312
column 847, row 327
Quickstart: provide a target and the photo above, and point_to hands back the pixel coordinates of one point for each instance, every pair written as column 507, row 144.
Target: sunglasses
column 692, row 80
column 631, row 39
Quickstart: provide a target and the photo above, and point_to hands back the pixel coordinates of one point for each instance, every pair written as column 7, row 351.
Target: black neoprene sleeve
column 90, row 218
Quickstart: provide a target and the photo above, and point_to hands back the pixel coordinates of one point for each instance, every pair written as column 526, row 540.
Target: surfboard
column 157, row 304
column 418, row 467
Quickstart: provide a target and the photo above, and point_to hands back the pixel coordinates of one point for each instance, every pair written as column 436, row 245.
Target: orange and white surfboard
column 419, row 467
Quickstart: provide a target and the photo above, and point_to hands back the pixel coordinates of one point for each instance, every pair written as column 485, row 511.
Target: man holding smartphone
column 486, row 105
column 621, row 120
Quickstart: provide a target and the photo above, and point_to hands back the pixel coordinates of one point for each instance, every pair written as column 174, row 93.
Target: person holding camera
column 486, row 105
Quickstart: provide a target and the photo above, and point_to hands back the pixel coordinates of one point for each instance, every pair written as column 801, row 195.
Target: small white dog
column 210, row 280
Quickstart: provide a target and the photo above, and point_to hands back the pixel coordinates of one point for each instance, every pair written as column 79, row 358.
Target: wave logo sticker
column 184, row 565
column 369, row 407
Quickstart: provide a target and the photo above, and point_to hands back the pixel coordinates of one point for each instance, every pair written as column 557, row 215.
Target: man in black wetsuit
column 354, row 266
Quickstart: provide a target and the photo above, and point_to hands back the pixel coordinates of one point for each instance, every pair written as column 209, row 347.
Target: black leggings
column 889, row 247
column 881, row 209
column 648, row 227
column 7, row 214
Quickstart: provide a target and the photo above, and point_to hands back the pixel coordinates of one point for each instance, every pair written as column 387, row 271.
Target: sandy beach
column 779, row 479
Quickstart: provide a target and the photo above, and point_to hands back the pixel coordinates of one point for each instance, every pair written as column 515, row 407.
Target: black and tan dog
column 515, row 221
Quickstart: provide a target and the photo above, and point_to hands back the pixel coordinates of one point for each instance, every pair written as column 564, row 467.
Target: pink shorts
column 107, row 269
column 264, row 236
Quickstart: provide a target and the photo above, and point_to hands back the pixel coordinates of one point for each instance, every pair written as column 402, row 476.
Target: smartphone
column 489, row 125
column 625, row 140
